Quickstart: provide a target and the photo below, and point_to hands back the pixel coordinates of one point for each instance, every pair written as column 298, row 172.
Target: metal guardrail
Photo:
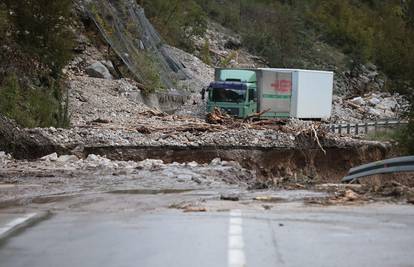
column 365, row 128
column 395, row 165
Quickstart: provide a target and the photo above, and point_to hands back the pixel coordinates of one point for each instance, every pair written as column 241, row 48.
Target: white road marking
column 15, row 223
column 236, row 256
column 236, row 220
column 236, row 213
column 236, row 242
column 235, row 230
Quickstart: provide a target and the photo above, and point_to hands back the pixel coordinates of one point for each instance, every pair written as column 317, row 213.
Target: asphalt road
column 290, row 235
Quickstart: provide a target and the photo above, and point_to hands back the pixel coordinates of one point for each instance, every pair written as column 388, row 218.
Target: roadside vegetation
column 407, row 134
column 35, row 45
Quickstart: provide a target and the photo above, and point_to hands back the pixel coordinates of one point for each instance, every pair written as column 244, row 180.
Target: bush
column 177, row 21
column 41, row 28
column 346, row 25
column 4, row 23
column 225, row 12
column 205, row 53
column 37, row 47
column 31, row 107
column 407, row 138
column 273, row 32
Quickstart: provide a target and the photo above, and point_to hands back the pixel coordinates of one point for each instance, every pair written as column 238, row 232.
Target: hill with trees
column 286, row 32
column 37, row 42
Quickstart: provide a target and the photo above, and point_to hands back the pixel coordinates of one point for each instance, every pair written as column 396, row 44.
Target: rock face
column 99, row 70
column 21, row 144
column 360, row 80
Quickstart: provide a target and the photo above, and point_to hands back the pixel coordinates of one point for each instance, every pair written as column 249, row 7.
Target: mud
column 268, row 163
column 149, row 191
column 22, row 144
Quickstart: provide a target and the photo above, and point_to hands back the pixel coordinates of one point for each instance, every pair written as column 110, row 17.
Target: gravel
column 67, row 175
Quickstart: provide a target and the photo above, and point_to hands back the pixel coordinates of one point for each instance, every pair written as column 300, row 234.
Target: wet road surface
column 289, row 235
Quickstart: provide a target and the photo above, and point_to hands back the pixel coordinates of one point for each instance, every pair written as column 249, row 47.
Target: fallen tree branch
column 317, row 139
column 256, row 115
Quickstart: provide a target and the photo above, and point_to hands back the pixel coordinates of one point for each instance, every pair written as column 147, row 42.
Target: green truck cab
column 234, row 91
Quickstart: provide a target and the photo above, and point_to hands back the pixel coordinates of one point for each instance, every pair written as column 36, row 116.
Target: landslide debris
column 23, row 144
column 375, row 106
column 22, row 181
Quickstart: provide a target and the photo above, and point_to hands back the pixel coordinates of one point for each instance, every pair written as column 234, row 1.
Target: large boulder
column 99, row 70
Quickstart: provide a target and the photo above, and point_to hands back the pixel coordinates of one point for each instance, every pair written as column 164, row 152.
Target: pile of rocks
column 4, row 158
column 95, row 162
column 201, row 75
column 360, row 80
column 370, row 107
column 67, row 174
column 230, row 137
column 111, row 101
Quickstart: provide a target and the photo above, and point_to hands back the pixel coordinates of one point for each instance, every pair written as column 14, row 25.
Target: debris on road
column 269, row 199
column 219, row 117
column 351, row 196
column 65, row 174
column 195, row 209
column 231, row 197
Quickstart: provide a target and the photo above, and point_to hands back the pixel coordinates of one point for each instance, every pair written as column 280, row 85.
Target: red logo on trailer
column 282, row 86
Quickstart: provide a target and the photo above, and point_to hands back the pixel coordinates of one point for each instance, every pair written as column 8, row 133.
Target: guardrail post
column 340, row 129
column 376, row 126
column 366, row 127
column 348, row 128
column 356, row 129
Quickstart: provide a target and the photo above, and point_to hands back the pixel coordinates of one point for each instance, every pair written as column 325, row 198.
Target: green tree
column 178, row 21
column 273, row 32
column 346, row 25
column 42, row 30
column 4, row 23
column 38, row 45
column 409, row 12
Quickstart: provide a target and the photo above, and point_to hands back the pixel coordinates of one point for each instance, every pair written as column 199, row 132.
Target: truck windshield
column 228, row 95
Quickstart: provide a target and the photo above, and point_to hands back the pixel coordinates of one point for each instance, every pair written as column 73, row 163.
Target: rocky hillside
column 109, row 102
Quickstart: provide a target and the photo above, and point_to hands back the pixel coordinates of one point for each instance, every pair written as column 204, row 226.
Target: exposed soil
column 268, row 163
